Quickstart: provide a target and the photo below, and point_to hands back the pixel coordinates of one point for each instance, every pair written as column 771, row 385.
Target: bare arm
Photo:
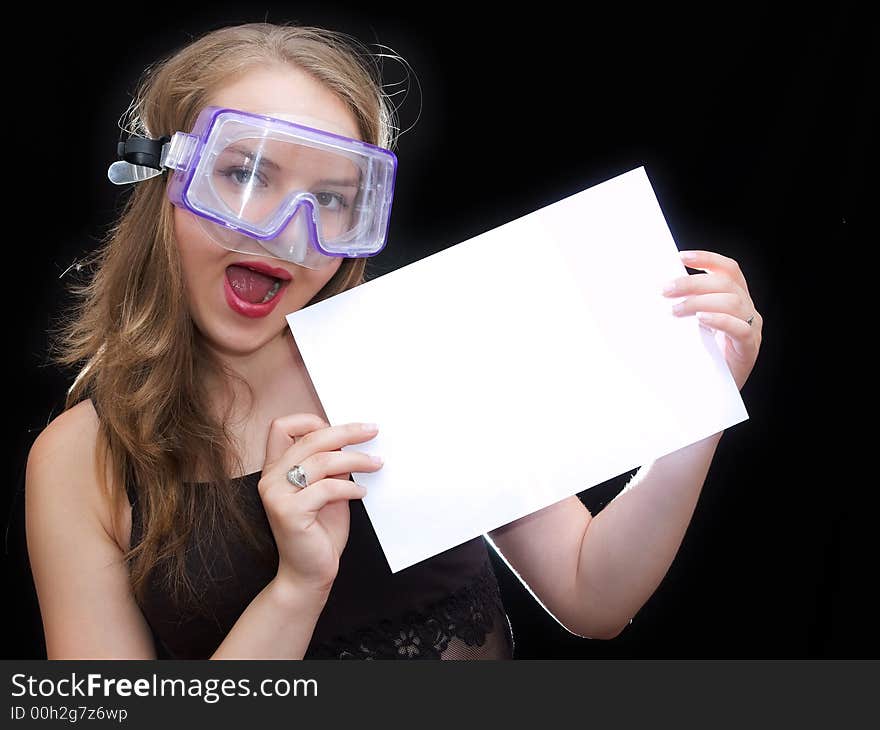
column 593, row 574
column 278, row 624
column 86, row 602
column 87, row 606
column 629, row 546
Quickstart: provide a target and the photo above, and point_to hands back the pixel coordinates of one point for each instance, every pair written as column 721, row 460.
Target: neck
column 276, row 375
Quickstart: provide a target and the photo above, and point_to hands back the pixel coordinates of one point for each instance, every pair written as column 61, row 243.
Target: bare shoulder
column 67, row 443
column 63, row 466
column 69, row 430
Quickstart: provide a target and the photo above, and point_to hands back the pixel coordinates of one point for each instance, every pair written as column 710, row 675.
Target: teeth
column 272, row 292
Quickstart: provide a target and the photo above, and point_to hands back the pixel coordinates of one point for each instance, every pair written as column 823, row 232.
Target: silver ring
column 297, row 477
column 749, row 320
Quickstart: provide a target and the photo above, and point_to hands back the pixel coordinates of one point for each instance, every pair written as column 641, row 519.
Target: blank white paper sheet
column 517, row 368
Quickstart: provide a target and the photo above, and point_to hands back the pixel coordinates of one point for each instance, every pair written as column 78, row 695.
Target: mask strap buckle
column 140, row 159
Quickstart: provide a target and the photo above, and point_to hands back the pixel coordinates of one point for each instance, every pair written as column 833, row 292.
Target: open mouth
column 253, row 286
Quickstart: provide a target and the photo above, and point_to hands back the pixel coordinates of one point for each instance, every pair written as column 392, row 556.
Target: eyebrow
column 339, row 183
column 249, row 154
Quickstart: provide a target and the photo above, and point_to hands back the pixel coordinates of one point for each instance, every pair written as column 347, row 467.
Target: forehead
column 288, row 93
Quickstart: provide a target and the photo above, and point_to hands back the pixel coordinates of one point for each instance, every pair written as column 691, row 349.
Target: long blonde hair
column 140, row 358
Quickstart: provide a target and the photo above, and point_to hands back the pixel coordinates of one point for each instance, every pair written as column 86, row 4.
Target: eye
column 333, row 201
column 243, row 176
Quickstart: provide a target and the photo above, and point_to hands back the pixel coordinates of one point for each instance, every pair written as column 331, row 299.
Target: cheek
column 311, row 281
column 197, row 251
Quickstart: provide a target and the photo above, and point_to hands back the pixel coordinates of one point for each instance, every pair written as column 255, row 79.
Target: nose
column 298, row 234
column 301, row 210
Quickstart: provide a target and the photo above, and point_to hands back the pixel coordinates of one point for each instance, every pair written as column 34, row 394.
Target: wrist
column 294, row 595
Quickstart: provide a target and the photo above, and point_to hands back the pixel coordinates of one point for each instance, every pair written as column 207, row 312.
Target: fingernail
column 369, row 427
column 678, row 308
column 377, row 459
column 669, row 288
column 688, row 255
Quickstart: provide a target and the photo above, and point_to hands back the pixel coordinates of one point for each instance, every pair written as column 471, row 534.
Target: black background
column 753, row 128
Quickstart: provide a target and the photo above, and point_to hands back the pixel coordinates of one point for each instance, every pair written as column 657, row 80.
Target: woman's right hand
column 311, row 525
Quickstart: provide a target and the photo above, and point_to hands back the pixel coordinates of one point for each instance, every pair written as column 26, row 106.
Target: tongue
column 249, row 285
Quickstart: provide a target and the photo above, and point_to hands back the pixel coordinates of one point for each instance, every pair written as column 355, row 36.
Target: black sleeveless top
column 445, row 607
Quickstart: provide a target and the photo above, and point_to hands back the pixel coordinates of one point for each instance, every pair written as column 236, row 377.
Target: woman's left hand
column 721, row 301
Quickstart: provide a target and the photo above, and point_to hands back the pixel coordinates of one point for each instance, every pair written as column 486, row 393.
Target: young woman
column 192, row 501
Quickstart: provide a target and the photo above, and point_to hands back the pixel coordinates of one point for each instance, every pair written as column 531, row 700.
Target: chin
column 242, row 340
column 246, row 345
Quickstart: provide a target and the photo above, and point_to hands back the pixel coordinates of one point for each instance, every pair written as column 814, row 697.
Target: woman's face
column 291, row 94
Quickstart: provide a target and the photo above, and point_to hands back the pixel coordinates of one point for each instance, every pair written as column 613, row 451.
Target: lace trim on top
column 468, row 624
